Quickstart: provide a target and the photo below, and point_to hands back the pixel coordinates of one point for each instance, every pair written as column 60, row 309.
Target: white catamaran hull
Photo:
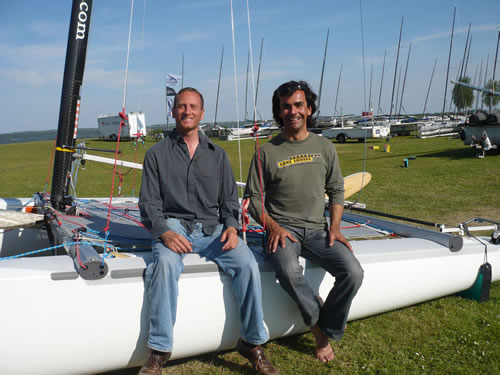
column 65, row 324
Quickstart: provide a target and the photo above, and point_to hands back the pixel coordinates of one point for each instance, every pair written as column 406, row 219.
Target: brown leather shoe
column 155, row 362
column 257, row 358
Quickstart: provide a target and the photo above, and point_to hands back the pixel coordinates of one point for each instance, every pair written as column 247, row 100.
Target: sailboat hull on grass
column 65, row 324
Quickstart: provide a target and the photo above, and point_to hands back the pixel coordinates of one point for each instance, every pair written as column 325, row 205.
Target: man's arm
column 276, row 234
column 151, row 207
column 334, row 234
column 228, row 205
column 150, row 200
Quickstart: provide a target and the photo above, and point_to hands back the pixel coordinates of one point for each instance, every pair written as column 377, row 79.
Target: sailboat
column 72, row 270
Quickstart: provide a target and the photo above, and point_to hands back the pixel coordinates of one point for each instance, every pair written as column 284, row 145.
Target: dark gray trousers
column 337, row 260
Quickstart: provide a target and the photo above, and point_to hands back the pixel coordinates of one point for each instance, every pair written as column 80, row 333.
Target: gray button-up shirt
column 199, row 189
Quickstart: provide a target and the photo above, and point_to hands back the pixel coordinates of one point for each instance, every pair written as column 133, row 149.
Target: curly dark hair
column 286, row 90
column 192, row 89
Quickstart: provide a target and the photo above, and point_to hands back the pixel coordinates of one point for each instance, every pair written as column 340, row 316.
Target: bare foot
column 324, row 351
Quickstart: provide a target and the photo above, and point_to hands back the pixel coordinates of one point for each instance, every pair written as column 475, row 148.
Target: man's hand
column 175, row 242
column 277, row 234
column 230, row 237
column 335, row 234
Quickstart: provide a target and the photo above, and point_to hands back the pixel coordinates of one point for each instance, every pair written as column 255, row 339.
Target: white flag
column 173, row 79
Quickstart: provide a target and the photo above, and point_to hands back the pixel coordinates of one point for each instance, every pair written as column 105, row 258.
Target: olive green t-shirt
column 295, row 177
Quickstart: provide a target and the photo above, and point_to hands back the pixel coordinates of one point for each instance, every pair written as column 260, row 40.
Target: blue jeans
column 338, row 260
column 162, row 277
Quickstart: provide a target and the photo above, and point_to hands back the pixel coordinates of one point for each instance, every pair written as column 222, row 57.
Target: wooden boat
column 66, row 320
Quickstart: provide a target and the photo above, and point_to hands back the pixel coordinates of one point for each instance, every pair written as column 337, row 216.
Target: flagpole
column 166, row 102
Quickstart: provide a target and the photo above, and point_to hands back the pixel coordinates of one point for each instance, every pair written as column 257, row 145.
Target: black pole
column 411, row 220
column 79, row 29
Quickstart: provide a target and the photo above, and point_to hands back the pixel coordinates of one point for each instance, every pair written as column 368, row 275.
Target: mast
column 381, row 83
column 476, row 83
column 370, row 91
column 258, row 79
column 495, row 67
column 479, row 83
column 396, row 69
column 486, row 76
column 397, row 92
column 468, row 53
column 404, row 81
column 429, row 89
column 78, row 35
column 166, row 98
column 462, row 72
column 338, row 85
column 218, row 88
column 182, row 72
column 323, row 70
column 246, row 88
column 448, row 69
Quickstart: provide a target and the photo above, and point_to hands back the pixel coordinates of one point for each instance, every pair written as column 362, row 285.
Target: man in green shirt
column 296, row 168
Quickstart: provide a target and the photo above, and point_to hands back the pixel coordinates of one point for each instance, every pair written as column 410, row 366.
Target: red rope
column 78, row 253
column 135, row 161
column 122, row 123
column 245, row 220
column 255, row 130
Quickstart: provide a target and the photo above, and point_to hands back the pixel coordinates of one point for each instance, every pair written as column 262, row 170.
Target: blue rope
column 50, row 248
column 105, row 246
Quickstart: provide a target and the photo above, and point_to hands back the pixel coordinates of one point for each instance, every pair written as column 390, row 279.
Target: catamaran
column 72, row 270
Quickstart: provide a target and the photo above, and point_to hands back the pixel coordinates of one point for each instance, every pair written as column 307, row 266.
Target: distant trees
column 463, row 97
column 491, row 99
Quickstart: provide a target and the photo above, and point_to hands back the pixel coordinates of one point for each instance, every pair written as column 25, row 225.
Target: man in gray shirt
column 189, row 202
column 298, row 167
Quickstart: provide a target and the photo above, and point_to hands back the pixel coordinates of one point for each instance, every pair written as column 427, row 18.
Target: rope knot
column 255, row 129
column 123, row 115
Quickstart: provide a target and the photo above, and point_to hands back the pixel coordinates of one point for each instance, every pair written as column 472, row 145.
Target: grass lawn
column 444, row 184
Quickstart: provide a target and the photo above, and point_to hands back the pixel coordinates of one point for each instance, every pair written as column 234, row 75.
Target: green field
column 445, row 184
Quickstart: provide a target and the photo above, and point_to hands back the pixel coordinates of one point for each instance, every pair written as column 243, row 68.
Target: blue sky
column 33, row 37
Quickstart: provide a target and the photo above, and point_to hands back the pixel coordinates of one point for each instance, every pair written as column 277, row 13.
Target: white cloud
column 113, row 79
column 48, row 29
column 34, row 78
column 447, row 34
column 27, row 55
